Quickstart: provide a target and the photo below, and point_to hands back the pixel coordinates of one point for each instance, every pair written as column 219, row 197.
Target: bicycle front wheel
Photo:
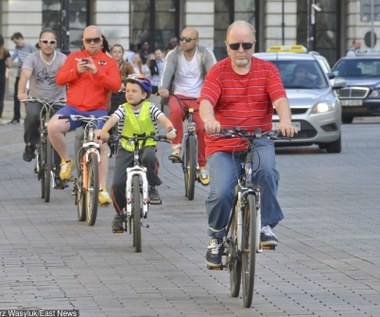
column 40, row 167
column 190, row 166
column 249, row 248
column 233, row 255
column 79, row 192
column 48, row 166
column 92, row 192
column 136, row 212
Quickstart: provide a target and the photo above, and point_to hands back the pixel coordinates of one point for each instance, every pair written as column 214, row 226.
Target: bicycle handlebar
column 142, row 137
column 250, row 135
column 59, row 102
column 179, row 99
column 78, row 117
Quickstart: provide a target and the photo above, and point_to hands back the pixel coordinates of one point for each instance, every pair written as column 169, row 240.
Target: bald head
column 93, row 30
column 92, row 39
column 241, row 25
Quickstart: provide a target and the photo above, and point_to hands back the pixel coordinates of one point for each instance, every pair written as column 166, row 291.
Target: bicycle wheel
column 249, row 249
column 233, row 255
column 80, row 197
column 92, row 189
column 40, row 167
column 136, row 212
column 190, row 167
column 48, row 165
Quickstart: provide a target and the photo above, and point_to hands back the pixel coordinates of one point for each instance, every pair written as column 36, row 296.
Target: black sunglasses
column 186, row 39
column 95, row 40
column 51, row 42
column 236, row 46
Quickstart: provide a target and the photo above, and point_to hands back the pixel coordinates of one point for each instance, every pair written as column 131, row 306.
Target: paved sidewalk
column 327, row 263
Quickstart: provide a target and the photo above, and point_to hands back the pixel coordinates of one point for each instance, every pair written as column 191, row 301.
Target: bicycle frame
column 190, row 130
column 88, row 160
column 242, row 240
column 140, row 170
column 89, row 146
column 189, row 159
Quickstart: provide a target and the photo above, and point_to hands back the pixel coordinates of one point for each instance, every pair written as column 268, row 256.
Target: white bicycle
column 137, row 196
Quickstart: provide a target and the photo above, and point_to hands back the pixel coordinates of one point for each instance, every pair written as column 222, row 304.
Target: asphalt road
column 327, row 263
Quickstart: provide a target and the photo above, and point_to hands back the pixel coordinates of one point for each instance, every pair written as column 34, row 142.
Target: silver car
column 316, row 110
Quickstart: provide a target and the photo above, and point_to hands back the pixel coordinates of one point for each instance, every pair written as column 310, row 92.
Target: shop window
column 154, row 21
column 78, row 20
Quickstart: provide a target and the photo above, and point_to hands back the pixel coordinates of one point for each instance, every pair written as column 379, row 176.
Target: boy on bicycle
column 139, row 116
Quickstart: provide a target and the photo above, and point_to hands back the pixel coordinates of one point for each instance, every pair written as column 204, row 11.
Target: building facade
column 326, row 26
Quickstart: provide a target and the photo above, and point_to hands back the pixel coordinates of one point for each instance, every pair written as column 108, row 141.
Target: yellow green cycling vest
column 137, row 125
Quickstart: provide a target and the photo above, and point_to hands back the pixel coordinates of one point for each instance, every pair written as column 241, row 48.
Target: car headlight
column 375, row 93
column 323, row 107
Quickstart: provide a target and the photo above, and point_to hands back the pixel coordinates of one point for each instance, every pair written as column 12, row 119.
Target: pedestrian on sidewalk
column 22, row 50
column 5, row 64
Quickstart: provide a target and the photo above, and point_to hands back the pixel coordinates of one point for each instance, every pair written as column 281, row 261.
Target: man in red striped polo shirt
column 241, row 91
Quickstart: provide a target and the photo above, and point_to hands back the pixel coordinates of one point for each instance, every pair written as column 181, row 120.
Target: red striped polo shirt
column 243, row 101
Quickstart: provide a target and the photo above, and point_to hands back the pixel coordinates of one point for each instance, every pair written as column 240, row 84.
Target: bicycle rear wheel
column 233, row 255
column 249, row 248
column 40, row 167
column 48, row 165
column 136, row 212
column 190, row 166
column 92, row 192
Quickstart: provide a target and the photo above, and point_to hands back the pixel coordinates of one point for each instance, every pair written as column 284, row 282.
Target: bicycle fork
column 141, row 171
column 242, row 199
column 85, row 160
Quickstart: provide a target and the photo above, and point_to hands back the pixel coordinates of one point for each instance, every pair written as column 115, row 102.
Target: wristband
column 172, row 131
column 104, row 130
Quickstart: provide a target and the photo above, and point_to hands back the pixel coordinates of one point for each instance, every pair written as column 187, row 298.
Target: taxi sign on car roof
column 287, row 49
column 367, row 52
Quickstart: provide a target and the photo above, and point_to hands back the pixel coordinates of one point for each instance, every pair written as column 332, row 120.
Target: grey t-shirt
column 42, row 81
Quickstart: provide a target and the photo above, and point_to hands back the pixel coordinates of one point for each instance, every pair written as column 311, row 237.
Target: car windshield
column 357, row 68
column 301, row 74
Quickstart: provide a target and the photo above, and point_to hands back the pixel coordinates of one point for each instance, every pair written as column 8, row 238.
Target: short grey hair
column 242, row 24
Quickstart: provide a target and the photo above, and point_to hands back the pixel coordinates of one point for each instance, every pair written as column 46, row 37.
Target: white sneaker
column 267, row 237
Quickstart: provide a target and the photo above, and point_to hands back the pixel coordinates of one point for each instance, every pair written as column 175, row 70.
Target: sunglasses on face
column 236, row 46
column 186, row 39
column 51, row 42
column 96, row 40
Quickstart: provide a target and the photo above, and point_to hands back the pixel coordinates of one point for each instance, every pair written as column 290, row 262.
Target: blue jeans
column 225, row 170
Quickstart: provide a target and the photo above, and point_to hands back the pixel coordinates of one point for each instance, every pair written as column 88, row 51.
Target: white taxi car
column 316, row 110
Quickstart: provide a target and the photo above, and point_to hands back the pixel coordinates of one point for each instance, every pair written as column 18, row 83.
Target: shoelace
column 214, row 246
column 204, row 174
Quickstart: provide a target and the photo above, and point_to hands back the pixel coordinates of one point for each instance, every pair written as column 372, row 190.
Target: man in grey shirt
column 39, row 68
column 22, row 50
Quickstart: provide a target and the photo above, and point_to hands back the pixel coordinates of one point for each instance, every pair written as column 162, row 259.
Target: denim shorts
column 70, row 110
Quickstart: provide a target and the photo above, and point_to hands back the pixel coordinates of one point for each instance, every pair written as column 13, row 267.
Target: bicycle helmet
column 142, row 81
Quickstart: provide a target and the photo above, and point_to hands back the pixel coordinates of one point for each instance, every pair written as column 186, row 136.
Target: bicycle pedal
column 268, row 247
column 155, row 202
column 215, row 268
column 118, row 231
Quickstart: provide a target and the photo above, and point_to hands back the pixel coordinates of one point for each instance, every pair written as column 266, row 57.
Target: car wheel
column 334, row 147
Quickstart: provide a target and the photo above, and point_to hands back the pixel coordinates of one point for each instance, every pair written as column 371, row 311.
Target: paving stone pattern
column 327, row 263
